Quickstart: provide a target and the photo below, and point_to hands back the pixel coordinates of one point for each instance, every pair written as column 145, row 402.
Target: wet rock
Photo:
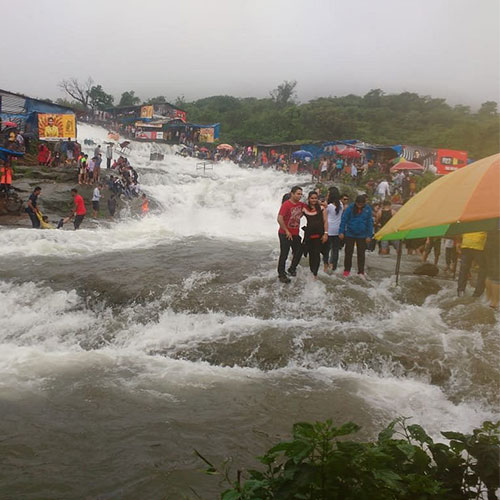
column 426, row 269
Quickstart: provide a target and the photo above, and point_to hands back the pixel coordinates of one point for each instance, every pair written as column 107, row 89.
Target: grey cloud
column 446, row 48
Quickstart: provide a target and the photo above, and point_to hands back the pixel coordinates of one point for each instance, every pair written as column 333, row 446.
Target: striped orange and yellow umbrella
column 464, row 201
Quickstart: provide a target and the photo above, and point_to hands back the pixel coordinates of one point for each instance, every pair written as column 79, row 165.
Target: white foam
column 227, row 202
column 44, row 333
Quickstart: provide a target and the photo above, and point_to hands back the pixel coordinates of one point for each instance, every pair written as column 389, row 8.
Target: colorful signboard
column 53, row 126
column 147, row 111
column 449, row 160
column 207, row 134
column 180, row 114
column 152, row 135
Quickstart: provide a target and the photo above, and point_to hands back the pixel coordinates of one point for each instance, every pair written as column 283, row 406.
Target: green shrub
column 403, row 463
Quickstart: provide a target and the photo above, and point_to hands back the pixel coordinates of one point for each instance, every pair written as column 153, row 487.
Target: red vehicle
column 449, row 160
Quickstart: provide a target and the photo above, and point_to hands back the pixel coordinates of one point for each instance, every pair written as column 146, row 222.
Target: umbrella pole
column 398, row 261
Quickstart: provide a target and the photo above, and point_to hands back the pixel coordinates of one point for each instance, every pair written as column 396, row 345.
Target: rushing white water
column 226, row 202
column 178, row 317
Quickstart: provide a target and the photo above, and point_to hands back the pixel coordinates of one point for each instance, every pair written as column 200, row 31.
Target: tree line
column 376, row 117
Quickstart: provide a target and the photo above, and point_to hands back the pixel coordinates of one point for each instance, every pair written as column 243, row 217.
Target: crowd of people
column 374, row 177
column 58, row 153
column 334, row 222
column 122, row 184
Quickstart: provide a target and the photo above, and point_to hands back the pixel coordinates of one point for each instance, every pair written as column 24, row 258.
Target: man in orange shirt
column 79, row 210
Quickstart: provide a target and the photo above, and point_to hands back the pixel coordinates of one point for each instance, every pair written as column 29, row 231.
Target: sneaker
column 292, row 272
column 284, row 279
column 347, row 274
column 362, row 276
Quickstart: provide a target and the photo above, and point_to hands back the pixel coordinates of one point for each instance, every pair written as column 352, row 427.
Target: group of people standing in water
column 331, row 224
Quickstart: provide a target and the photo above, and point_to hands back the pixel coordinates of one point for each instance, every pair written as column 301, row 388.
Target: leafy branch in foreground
column 403, row 463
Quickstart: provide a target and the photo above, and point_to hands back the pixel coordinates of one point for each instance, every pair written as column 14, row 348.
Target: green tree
column 100, row 99
column 129, row 98
column 284, row 93
column 488, row 108
column 180, row 101
column 156, row 100
column 373, row 97
column 70, row 104
column 404, row 118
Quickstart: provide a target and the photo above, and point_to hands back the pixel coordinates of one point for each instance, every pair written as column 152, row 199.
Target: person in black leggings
column 316, row 231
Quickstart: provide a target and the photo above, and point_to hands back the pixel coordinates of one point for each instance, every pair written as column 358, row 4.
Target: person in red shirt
column 289, row 221
column 79, row 210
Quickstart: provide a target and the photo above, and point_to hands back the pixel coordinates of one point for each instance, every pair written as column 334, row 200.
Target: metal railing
column 205, row 166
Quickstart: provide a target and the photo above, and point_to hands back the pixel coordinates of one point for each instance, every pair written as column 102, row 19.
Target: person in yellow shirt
column 472, row 250
column 51, row 130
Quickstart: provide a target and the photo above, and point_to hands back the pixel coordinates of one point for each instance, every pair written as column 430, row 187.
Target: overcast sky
column 199, row 48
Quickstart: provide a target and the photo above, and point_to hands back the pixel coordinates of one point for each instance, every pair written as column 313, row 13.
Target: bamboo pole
column 398, row 260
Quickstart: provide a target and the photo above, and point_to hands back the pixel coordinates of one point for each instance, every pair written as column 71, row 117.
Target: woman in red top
column 43, row 154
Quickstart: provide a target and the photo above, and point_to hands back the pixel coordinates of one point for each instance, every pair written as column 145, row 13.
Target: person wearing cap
column 356, row 228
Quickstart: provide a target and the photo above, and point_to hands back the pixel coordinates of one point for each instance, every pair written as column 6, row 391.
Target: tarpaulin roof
column 334, row 143
column 32, row 104
column 35, row 106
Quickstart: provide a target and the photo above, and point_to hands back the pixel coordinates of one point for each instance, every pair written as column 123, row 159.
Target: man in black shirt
column 32, row 209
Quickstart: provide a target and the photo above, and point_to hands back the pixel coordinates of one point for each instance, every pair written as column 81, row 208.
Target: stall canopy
column 463, row 201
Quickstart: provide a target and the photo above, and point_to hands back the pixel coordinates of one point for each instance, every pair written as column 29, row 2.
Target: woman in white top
column 334, row 211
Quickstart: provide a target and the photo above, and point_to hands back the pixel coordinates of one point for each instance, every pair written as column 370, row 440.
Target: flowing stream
column 125, row 347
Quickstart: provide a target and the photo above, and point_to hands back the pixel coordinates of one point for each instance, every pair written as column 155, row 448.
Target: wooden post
column 398, row 261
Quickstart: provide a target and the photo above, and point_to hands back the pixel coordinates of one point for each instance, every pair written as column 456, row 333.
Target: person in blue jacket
column 356, row 227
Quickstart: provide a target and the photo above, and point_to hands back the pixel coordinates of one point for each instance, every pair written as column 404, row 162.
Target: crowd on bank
column 122, row 184
column 335, row 222
column 375, row 178
column 58, row 153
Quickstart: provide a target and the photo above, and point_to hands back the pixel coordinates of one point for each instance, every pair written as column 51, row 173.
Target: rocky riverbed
column 55, row 200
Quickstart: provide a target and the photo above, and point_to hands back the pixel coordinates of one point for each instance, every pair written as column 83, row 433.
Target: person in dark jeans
column 472, row 250
column 32, row 209
column 288, row 233
column 356, row 228
column 285, row 244
column 334, row 211
column 361, row 246
column 316, row 231
column 79, row 210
